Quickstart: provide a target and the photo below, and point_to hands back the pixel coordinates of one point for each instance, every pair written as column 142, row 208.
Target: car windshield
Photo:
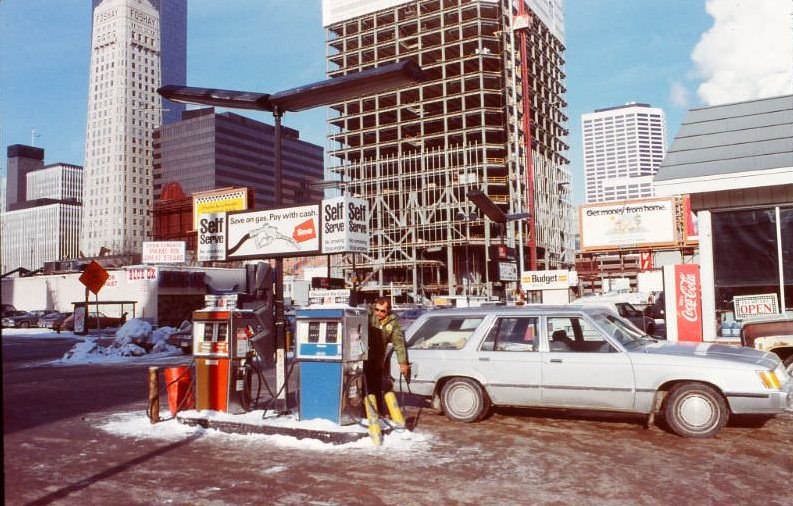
column 621, row 330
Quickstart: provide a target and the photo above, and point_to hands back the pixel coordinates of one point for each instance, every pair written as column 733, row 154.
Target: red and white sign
column 747, row 306
column 163, row 252
column 688, row 302
column 305, row 231
column 646, row 260
column 135, row 274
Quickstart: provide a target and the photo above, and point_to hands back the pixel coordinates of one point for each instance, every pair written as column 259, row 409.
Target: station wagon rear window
column 448, row 333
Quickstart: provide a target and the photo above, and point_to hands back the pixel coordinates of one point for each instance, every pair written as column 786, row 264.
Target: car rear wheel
column 695, row 410
column 464, row 400
column 24, row 325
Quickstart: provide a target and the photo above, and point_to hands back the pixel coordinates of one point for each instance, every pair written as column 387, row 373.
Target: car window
column 620, row 330
column 575, row 334
column 445, row 332
column 512, row 334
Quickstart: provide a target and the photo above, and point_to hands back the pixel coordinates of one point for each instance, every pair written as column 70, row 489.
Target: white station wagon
column 585, row 357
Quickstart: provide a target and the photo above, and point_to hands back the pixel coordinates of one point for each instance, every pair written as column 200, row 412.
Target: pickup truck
column 771, row 333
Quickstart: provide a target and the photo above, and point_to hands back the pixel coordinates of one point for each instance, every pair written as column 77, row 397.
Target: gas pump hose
column 272, row 400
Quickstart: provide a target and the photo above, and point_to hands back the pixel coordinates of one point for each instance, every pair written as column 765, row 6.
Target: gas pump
column 222, row 347
column 331, row 344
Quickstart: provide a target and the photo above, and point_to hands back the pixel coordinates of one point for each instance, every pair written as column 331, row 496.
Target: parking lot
column 57, row 452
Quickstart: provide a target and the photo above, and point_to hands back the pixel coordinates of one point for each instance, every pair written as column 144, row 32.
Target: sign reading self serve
column 345, row 225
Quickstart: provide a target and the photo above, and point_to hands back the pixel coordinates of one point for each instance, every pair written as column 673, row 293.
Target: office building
column 44, row 226
column 22, row 160
column 209, row 150
column 489, row 116
column 173, row 49
column 123, row 110
column 623, row 148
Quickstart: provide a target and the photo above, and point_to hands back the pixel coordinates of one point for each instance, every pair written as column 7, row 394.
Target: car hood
column 712, row 351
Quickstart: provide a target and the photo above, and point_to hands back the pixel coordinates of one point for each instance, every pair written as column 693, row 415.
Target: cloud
column 679, row 95
column 747, row 53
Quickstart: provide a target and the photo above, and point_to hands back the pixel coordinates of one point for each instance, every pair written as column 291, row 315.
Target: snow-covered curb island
column 136, row 425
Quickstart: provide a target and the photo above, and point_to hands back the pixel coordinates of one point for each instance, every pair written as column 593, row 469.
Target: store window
column 746, row 254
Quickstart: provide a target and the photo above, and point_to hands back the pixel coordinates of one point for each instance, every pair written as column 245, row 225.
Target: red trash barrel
column 178, row 381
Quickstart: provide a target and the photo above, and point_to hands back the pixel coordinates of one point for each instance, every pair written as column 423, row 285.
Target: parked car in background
column 624, row 309
column 771, row 333
column 183, row 337
column 588, row 358
column 7, row 310
column 53, row 320
column 9, row 315
column 95, row 317
column 25, row 320
column 407, row 316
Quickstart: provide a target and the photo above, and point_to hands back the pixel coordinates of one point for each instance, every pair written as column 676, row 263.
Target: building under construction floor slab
column 489, row 116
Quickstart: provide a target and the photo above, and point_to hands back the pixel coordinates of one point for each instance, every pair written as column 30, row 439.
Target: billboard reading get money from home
column 627, row 224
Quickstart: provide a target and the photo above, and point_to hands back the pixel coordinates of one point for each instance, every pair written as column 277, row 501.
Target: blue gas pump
column 331, row 345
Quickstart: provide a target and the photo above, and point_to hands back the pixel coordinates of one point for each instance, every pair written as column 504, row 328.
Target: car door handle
column 484, row 359
column 556, row 360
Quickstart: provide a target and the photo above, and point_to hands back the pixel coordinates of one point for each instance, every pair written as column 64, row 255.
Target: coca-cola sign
column 688, row 302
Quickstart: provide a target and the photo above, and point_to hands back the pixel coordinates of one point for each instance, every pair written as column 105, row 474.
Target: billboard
column 287, row 232
column 211, row 237
column 213, row 202
column 627, row 224
column 345, row 225
column 691, row 224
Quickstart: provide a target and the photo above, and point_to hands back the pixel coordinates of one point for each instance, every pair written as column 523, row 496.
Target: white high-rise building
column 60, row 181
column 45, row 227
column 623, row 148
column 123, row 111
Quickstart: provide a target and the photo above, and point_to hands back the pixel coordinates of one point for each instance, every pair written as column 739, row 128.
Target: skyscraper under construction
column 489, row 116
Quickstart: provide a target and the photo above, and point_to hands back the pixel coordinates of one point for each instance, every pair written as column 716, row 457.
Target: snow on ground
column 93, row 349
column 37, row 333
column 137, row 425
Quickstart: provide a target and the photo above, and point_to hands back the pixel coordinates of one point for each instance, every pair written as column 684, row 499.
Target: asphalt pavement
column 56, row 452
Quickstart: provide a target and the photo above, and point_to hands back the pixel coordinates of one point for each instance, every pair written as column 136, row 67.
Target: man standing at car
column 383, row 329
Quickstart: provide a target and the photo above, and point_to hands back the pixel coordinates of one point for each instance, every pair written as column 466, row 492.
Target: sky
column 672, row 54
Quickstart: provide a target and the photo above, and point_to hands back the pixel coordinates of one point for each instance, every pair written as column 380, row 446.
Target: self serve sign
column 345, row 225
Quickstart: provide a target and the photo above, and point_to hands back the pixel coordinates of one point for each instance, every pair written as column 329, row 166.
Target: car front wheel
column 695, row 410
column 464, row 400
column 24, row 325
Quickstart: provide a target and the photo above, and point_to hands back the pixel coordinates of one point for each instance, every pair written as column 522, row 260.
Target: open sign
column 747, row 306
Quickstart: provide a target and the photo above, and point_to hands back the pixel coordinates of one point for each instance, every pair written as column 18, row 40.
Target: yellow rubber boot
column 393, row 409
column 375, row 432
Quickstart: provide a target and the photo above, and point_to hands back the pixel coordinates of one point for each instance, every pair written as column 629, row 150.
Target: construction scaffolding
column 414, row 153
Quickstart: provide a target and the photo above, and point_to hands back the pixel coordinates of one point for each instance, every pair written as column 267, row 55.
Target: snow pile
column 134, row 339
column 133, row 331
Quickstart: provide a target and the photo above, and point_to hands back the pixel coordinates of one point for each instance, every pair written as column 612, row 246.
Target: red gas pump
column 222, row 347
